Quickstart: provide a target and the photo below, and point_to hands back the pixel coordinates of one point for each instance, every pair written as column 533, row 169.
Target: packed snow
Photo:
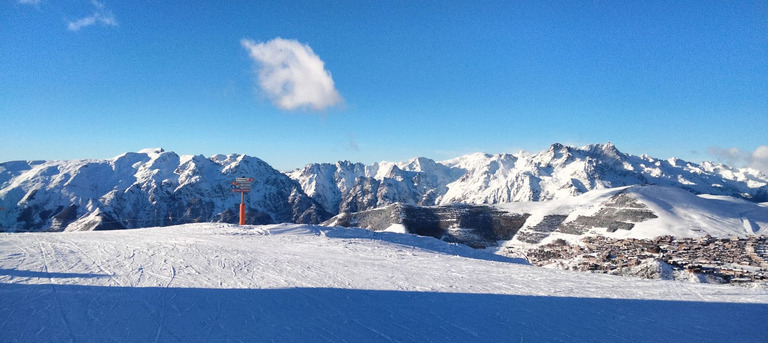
column 219, row 282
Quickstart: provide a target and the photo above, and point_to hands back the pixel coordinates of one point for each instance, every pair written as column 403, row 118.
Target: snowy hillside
column 559, row 172
column 149, row 188
column 294, row 283
column 643, row 211
column 157, row 188
column 638, row 212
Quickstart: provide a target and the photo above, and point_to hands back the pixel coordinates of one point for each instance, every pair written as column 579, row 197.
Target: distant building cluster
column 726, row 260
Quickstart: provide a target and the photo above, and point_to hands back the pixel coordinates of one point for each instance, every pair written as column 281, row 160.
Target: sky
column 299, row 82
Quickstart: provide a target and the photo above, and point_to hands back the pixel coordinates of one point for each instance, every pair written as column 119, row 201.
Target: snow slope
column 217, row 282
column 672, row 211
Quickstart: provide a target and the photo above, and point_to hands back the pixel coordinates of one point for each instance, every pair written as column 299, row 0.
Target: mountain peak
column 607, row 149
column 610, row 149
column 556, row 147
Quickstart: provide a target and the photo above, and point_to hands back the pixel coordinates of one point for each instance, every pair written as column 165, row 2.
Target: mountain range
column 154, row 187
column 559, row 172
column 149, row 188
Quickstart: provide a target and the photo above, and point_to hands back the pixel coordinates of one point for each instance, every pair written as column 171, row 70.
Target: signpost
column 242, row 185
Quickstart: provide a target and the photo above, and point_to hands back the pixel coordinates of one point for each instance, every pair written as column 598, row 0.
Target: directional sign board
column 242, row 184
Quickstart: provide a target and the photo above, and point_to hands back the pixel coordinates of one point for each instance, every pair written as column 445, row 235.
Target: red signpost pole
column 242, row 185
column 242, row 208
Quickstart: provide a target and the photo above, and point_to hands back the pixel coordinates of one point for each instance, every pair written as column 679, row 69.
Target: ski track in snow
column 218, row 282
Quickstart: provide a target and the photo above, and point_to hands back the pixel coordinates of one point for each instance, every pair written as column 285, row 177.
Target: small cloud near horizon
column 352, row 144
column 100, row 16
column 736, row 157
column 292, row 75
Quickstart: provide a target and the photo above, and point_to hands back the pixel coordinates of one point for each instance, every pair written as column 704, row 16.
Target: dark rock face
column 476, row 226
column 362, row 196
column 375, row 220
column 542, row 230
column 107, row 222
column 63, row 218
column 620, row 212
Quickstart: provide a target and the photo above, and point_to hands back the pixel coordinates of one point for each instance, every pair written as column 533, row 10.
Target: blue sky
column 86, row 79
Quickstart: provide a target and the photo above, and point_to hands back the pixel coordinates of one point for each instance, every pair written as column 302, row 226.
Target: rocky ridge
column 638, row 212
column 476, row 226
column 556, row 173
column 153, row 187
column 149, row 188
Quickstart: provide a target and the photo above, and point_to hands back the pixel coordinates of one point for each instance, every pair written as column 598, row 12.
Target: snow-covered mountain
column 640, row 211
column 559, row 172
column 156, row 188
column 149, row 188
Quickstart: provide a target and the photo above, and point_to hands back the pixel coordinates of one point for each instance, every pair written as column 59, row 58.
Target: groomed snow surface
column 218, row 282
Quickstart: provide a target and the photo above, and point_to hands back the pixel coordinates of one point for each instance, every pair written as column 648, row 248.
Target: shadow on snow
column 421, row 242
column 35, row 274
column 49, row 312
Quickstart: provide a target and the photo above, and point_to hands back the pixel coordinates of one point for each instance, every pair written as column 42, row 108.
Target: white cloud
column 732, row 156
column 292, row 75
column 100, row 16
column 29, row 2
column 757, row 159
